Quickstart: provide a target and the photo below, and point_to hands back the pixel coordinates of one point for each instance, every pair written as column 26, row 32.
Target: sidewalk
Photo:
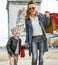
column 50, row 55
column 28, row 62
column 50, row 58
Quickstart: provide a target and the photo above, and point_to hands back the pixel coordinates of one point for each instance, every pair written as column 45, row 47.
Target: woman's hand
column 26, row 45
column 47, row 14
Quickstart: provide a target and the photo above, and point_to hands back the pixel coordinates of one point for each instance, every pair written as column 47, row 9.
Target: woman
column 13, row 46
column 35, row 32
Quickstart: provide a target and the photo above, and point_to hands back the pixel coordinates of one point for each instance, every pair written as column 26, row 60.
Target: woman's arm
column 27, row 33
column 20, row 41
column 47, row 19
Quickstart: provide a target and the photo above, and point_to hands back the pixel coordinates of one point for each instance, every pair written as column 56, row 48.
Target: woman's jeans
column 35, row 51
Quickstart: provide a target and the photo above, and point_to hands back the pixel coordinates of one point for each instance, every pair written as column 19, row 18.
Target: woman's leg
column 41, row 53
column 34, row 53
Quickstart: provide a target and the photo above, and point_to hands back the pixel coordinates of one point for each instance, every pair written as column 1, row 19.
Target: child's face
column 16, row 33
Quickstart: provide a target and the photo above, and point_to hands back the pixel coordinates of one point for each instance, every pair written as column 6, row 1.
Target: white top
column 36, row 26
column 17, row 48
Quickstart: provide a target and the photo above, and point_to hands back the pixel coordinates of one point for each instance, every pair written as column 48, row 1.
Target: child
column 13, row 46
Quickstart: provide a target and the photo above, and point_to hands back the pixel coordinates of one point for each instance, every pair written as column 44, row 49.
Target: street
column 28, row 62
column 50, row 58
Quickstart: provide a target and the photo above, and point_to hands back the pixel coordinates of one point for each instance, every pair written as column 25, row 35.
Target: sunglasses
column 32, row 8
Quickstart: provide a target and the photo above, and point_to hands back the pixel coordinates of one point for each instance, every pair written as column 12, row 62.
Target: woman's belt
column 37, row 36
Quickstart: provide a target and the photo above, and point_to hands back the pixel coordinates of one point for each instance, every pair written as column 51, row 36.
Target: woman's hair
column 27, row 11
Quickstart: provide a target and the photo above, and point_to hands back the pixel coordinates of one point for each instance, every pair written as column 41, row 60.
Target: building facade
column 16, row 14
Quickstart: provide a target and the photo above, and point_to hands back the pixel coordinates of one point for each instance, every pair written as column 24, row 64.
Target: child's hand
column 12, row 55
column 26, row 45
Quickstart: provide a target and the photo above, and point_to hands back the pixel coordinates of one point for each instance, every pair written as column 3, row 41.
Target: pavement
column 28, row 62
column 52, row 54
column 50, row 58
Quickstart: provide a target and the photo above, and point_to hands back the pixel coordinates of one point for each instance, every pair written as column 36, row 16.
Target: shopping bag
column 22, row 52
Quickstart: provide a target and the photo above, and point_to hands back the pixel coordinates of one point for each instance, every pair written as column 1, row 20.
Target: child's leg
column 15, row 60
column 12, row 61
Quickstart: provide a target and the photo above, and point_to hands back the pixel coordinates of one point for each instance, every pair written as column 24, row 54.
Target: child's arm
column 8, row 46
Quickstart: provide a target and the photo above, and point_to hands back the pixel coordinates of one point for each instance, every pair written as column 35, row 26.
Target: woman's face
column 32, row 9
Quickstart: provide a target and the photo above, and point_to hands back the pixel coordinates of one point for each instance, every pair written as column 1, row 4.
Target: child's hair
column 14, row 28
